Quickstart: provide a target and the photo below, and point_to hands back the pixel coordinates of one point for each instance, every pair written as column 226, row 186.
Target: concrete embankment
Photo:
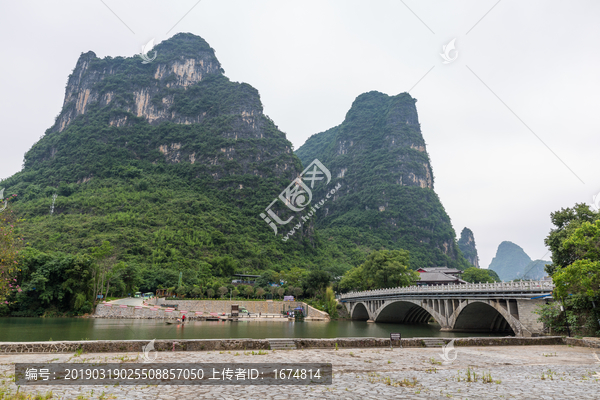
column 162, row 308
column 116, row 346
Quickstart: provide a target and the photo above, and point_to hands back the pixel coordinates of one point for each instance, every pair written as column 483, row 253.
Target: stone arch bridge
column 507, row 307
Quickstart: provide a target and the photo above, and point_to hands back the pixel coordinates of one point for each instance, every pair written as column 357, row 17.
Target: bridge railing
column 521, row 286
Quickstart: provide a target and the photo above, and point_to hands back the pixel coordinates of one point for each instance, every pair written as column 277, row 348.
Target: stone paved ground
column 523, row 372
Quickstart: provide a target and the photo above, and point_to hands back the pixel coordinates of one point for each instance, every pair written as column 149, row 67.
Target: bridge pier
column 503, row 307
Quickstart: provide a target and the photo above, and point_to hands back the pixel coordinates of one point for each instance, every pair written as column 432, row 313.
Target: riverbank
column 160, row 308
column 478, row 372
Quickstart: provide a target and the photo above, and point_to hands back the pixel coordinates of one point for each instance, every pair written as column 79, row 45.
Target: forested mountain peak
column 466, row 243
column 510, row 261
column 169, row 161
column 378, row 156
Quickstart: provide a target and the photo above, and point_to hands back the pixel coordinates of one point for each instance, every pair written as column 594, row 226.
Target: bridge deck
column 524, row 289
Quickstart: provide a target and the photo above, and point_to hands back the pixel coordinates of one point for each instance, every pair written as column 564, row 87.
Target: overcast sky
column 511, row 126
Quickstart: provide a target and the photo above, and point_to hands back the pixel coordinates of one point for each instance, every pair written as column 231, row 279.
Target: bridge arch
column 483, row 317
column 404, row 312
column 359, row 312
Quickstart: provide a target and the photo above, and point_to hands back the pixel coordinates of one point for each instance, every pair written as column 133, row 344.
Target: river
column 56, row 329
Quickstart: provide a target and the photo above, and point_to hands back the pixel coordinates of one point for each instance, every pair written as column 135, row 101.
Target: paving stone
column 364, row 373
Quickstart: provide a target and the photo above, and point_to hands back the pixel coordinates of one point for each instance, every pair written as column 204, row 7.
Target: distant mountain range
column 511, row 262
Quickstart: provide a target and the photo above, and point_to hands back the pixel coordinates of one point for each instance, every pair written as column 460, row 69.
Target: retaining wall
column 135, row 346
column 585, row 342
column 206, row 306
column 254, row 307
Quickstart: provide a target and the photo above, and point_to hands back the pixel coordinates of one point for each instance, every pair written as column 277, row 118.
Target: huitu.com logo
column 145, row 50
column 3, row 207
column 446, row 52
column 596, row 201
column 147, row 349
column 298, row 197
column 449, row 353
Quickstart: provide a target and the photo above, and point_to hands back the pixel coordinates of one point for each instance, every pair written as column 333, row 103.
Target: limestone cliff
column 169, row 161
column 378, row 156
column 214, row 122
column 466, row 243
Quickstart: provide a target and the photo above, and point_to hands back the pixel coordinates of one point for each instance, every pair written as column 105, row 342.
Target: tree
column 249, row 291
column 260, row 292
column 316, row 281
column 224, row 266
column 210, row 293
column 298, row 292
column 181, row 291
column 294, row 276
column 269, row 276
column 353, row 280
column 330, row 302
column 575, row 246
column 581, row 277
column 197, row 291
column 222, row 291
column 477, row 275
column 388, row 268
column 105, row 260
column 566, row 222
column 584, row 242
column 131, row 278
column 280, row 292
column 235, row 293
column 10, row 247
column 57, row 280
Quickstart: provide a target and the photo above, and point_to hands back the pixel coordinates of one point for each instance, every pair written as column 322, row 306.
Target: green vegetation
column 477, row 275
column 466, row 244
column 10, row 246
column 116, row 199
column 575, row 270
column 386, row 200
column 383, row 269
column 138, row 203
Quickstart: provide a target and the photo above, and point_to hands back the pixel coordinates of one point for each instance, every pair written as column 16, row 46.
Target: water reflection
column 43, row 329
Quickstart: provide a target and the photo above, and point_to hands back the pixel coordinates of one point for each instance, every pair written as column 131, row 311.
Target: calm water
column 43, row 329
